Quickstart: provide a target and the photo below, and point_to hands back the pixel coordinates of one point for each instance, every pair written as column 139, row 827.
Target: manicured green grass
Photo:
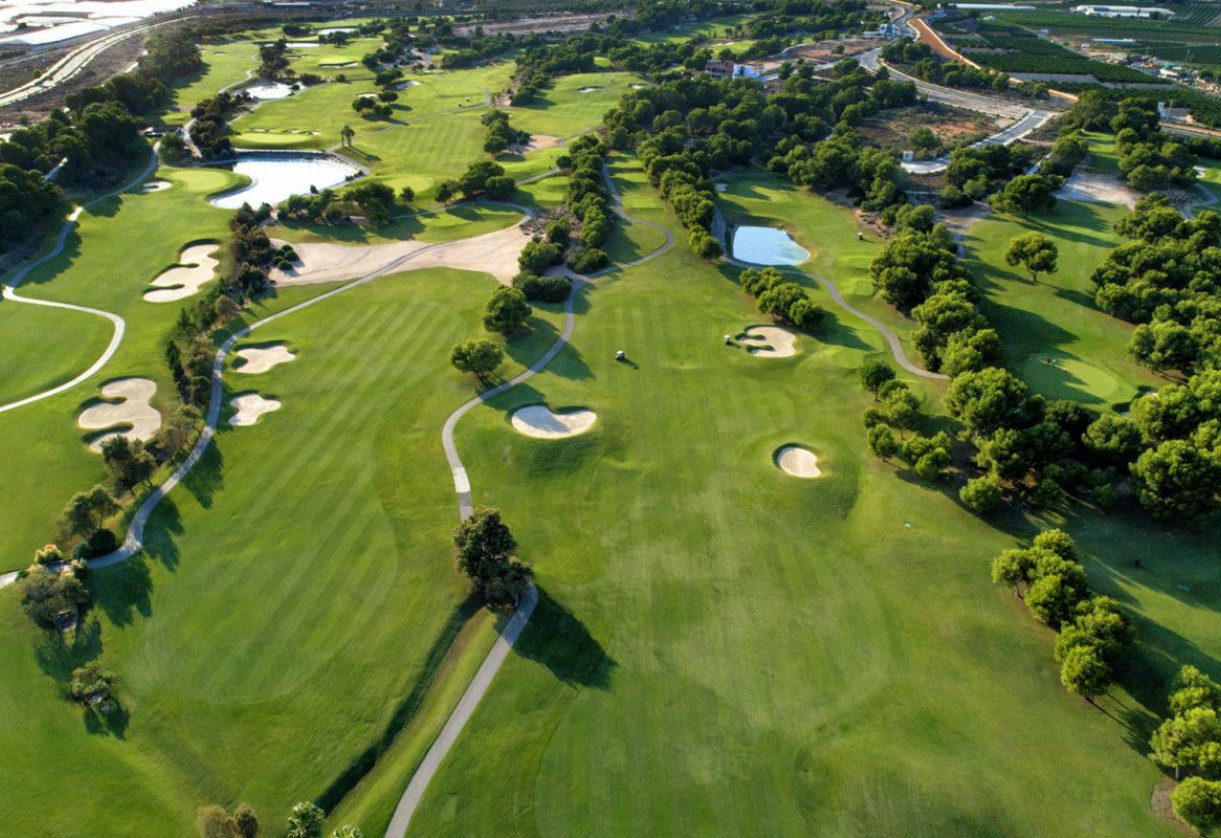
column 71, row 341
column 113, row 254
column 823, row 227
column 1055, row 317
column 562, row 110
column 722, row 649
column 459, row 222
column 288, row 600
column 225, row 63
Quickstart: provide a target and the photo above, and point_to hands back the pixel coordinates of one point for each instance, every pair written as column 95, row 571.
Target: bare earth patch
column 196, row 266
column 537, row 143
column 539, row 422
column 259, row 359
column 133, row 410
column 769, row 341
column 798, row 461
column 250, row 407
column 1099, row 189
column 493, row 253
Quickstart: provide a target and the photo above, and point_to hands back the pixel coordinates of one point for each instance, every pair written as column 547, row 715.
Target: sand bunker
column 250, row 407
column 637, row 86
column 155, row 186
column 769, row 341
column 493, row 253
column 798, row 461
column 195, row 267
column 133, row 410
column 259, row 359
column 539, row 422
column 588, row 89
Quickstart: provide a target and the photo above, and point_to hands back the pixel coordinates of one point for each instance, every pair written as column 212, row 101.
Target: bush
column 1198, row 802
column 558, row 231
column 500, row 188
column 507, row 311
column 586, row 260
column 543, row 289
column 537, row 257
column 982, row 494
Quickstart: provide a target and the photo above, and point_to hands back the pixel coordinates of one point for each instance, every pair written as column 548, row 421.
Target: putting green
column 1058, row 375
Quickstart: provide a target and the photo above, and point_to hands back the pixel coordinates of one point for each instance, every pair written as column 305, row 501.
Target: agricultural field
column 721, row 645
column 1187, row 31
column 1026, row 53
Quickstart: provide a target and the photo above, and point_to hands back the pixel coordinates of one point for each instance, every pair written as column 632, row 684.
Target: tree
column 447, row 190
column 507, row 311
column 346, row 133
column 93, row 686
column 1013, row 568
column 305, row 821
column 53, row 600
column 1084, row 672
column 1053, row 597
column 537, row 257
column 246, row 821
column 84, row 514
column 349, row 831
column 1192, row 688
column 1035, row 251
column 480, row 357
column 127, row 461
column 1100, row 624
column 988, row 400
column 1198, row 802
column 1175, row 480
column 1025, row 194
column 881, row 441
column 873, row 374
column 1189, row 741
column 982, row 494
column 484, row 549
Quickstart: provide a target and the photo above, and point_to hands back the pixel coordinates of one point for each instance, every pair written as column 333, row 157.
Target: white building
column 1123, row 11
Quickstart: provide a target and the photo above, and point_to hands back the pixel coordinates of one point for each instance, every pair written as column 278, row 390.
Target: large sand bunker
column 769, row 341
column 195, row 267
column 493, row 253
column 798, row 461
column 259, row 359
column 132, row 410
column 250, row 407
column 539, row 422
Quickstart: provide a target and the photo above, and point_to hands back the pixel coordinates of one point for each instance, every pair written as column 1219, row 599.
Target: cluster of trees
column 209, row 130
column 695, row 126
column 1094, row 632
column 371, row 200
column 1167, row 279
column 188, row 350
column 219, row 822
column 1067, row 151
column 273, row 59
column 1149, row 159
column 485, row 556
column 1189, row 741
column 888, row 425
column 587, row 200
column 485, row 177
column 781, row 299
column 976, row 171
column 166, row 58
column 921, row 63
column 54, row 596
column 1026, row 194
column 375, row 107
column 501, row 136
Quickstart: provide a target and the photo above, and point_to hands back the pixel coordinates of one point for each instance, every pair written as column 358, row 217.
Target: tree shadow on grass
column 406, row 711
column 207, row 477
column 125, row 590
column 558, row 640
column 159, row 534
column 57, row 654
column 112, row 722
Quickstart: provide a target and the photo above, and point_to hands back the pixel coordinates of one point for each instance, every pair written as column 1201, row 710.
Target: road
column 73, row 63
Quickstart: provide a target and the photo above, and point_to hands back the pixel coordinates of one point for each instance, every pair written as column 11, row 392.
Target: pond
column 273, row 90
column 276, row 176
column 767, row 246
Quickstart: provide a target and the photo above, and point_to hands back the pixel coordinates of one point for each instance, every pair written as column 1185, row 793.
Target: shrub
column 586, row 260
column 982, row 494
column 537, row 257
column 544, row 289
